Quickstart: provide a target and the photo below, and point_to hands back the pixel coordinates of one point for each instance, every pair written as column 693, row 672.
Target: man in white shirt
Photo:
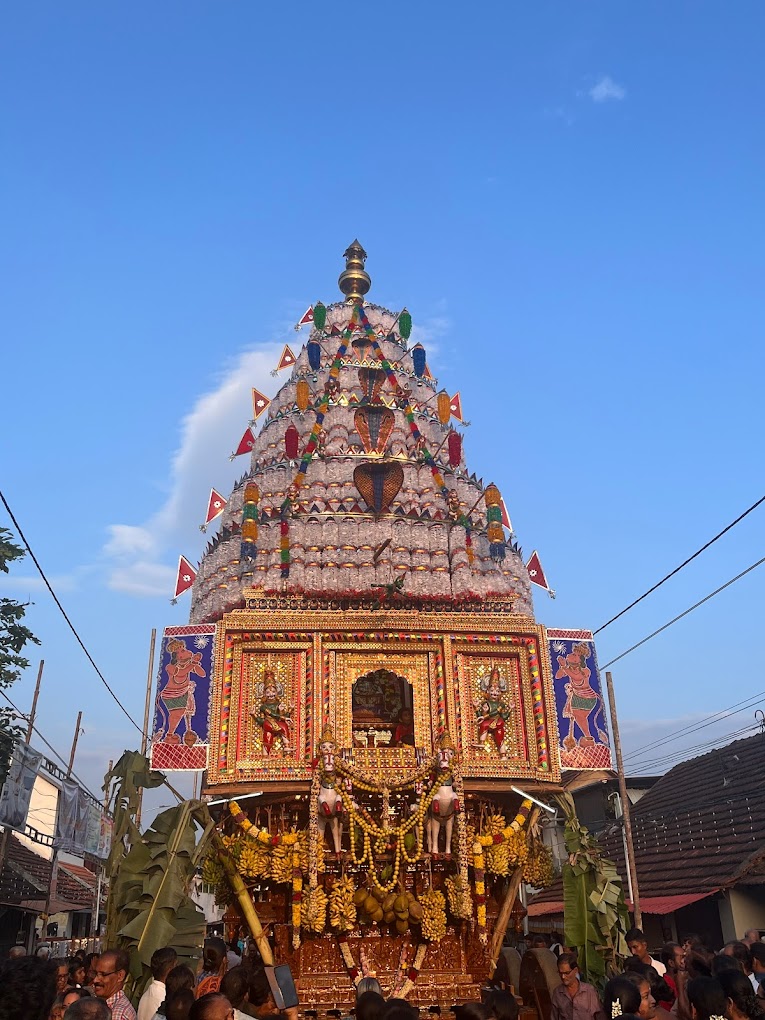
column 638, row 946
column 162, row 962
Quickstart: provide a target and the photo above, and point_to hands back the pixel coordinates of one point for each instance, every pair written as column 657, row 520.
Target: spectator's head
column 212, row 1006
column 638, row 944
column 73, row 994
column 89, row 1008
column 77, row 973
column 707, row 998
column 368, row 984
column 399, row 1009
column 58, row 1009
column 28, row 989
column 757, row 950
column 691, row 939
column 473, row 1011
column 673, row 957
column 16, row 952
column 647, row 1008
column 621, row 997
column 698, row 962
column 740, row 952
column 724, row 961
column 234, row 986
column 369, row 1006
column 110, row 973
column 179, row 977
column 62, row 975
column 233, row 947
column 179, row 1007
column 742, row 1001
column 751, row 935
column 90, row 963
column 568, row 970
column 259, row 991
column 162, row 962
column 43, row 952
column 539, row 942
column 213, row 954
column 502, row 1005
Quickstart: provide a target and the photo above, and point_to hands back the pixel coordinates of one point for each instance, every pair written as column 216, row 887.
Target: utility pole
column 54, row 858
column 99, row 883
column 33, row 712
column 146, row 708
column 628, row 844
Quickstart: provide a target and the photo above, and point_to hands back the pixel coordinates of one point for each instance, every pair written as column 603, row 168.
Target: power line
column 700, row 724
column 694, row 750
column 701, row 602
column 50, row 747
column 81, row 643
column 683, row 564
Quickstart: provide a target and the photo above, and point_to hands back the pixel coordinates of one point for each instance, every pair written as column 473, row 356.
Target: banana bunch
column 302, row 846
column 234, row 845
column 281, row 863
column 517, row 847
column 342, row 909
column 460, row 901
column 223, row 894
column 212, row 869
column 497, row 858
column 433, row 915
column 315, row 910
column 494, row 825
column 538, row 869
column 254, row 862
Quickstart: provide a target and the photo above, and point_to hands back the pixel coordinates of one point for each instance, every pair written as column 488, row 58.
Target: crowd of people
column 687, row 982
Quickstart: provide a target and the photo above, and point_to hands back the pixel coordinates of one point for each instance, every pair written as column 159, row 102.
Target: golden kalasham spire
column 354, row 281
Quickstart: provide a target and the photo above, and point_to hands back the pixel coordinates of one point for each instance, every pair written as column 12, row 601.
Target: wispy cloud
column 137, row 555
column 605, row 88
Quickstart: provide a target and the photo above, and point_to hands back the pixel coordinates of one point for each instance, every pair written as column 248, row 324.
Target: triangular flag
column 246, row 444
column 537, row 574
column 287, row 359
column 215, row 506
column 259, row 403
column 505, row 515
column 455, row 406
column 335, row 331
column 427, row 373
column 186, row 577
column 306, row 320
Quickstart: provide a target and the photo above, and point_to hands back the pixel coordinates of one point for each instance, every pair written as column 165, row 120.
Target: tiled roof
column 699, row 829
column 25, row 875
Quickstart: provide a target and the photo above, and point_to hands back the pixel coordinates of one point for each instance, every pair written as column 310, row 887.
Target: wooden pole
column 146, row 708
column 629, row 846
column 33, row 711
column 54, row 858
column 243, row 898
column 503, row 918
column 74, row 746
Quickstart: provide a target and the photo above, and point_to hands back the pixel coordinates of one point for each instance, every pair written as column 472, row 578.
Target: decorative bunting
column 405, row 324
column 319, row 315
column 455, row 406
column 454, row 447
column 287, row 360
column 185, row 578
column 443, row 403
column 291, row 442
column 259, row 403
column 248, row 548
column 505, row 515
column 537, row 574
column 306, row 320
column 215, row 506
column 314, row 354
column 494, row 530
column 246, row 444
column 419, row 360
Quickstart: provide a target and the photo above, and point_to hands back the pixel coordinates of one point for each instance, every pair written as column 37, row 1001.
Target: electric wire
column 692, row 751
column 700, row 724
column 683, row 564
column 701, row 602
column 73, row 629
column 51, row 748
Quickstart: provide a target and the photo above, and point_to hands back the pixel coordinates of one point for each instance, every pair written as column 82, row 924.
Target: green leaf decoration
column 319, row 315
column 404, row 324
column 595, row 914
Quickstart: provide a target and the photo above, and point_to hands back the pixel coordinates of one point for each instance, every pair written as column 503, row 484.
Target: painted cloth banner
column 93, row 833
column 72, row 818
column 584, row 741
column 17, row 789
column 105, row 836
column 181, row 731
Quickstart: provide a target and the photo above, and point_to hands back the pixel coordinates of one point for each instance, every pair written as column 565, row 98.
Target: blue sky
column 568, row 198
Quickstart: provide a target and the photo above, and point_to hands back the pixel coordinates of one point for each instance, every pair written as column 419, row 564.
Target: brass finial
column 354, row 282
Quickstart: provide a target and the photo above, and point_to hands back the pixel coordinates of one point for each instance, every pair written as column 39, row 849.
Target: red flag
column 307, row 318
column 505, row 515
column 537, row 574
column 246, row 444
column 259, row 403
column 186, row 577
column 455, row 406
column 287, row 359
column 215, row 506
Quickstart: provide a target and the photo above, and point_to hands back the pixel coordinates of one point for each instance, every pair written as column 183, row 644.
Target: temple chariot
column 383, row 705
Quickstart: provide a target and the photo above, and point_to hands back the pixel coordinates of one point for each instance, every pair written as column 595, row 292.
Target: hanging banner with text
column 18, row 785
column 584, row 741
column 181, row 731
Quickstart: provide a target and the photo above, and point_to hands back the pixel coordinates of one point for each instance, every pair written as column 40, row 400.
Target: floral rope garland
column 479, row 863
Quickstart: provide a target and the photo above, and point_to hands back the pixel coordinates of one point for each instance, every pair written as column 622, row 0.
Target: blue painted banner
column 181, row 732
column 582, row 725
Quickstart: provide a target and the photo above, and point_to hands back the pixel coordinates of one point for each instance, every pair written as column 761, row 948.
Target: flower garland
column 297, row 897
column 345, row 951
column 479, row 863
column 413, row 972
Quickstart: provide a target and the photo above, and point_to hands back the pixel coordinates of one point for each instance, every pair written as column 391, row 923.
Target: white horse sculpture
column 445, row 804
column 329, row 801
